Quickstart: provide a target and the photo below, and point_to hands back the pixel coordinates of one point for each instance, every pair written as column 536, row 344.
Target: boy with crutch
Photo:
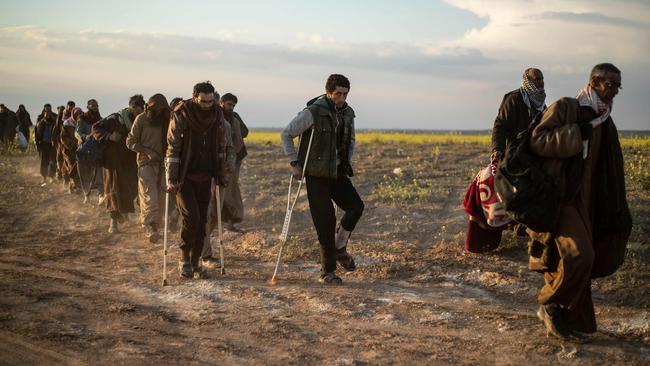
column 327, row 171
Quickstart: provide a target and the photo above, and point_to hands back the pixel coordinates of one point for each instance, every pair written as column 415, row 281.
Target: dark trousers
column 320, row 193
column 48, row 162
column 193, row 199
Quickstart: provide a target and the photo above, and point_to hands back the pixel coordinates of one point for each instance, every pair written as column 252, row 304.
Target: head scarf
column 534, row 95
column 587, row 96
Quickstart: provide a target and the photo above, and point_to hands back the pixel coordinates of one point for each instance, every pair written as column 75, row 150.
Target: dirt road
column 74, row 294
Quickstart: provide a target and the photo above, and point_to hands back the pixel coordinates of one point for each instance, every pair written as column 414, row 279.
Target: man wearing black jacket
column 518, row 109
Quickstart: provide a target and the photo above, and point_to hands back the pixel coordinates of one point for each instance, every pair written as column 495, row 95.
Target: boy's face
column 339, row 95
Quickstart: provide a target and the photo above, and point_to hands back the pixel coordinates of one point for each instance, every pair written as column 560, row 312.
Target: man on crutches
column 199, row 152
column 327, row 171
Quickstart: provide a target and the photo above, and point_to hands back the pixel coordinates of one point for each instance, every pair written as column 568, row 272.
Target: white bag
column 22, row 141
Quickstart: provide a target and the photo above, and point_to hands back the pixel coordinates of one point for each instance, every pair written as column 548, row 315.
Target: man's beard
column 158, row 118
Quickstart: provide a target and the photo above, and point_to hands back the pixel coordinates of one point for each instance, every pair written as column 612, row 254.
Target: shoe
column 551, row 315
column 100, row 199
column 211, row 262
column 123, row 218
column 151, row 233
column 233, row 229
column 112, row 229
column 85, row 199
column 199, row 272
column 330, row 279
column 185, row 269
column 345, row 260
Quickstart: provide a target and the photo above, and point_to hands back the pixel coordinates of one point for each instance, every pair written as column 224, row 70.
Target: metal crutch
column 165, row 239
column 220, row 228
column 290, row 207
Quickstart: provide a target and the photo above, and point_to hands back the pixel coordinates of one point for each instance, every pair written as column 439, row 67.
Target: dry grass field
column 73, row 294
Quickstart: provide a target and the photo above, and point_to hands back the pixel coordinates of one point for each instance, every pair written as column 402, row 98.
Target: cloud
column 594, row 18
column 311, row 50
column 559, row 33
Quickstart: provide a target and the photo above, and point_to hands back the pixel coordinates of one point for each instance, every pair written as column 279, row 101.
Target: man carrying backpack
column 579, row 143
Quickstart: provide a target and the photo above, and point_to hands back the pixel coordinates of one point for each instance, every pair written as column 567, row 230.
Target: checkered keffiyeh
column 535, row 95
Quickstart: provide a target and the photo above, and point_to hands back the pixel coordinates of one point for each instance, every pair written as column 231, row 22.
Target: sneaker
column 330, row 279
column 345, row 260
column 211, row 262
column 112, row 229
column 185, row 269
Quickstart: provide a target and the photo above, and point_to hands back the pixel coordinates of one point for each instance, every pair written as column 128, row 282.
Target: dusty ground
column 73, row 294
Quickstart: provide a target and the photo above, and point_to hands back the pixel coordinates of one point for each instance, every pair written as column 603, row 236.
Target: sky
column 441, row 65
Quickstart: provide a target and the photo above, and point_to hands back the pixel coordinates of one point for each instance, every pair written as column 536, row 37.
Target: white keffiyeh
column 588, row 97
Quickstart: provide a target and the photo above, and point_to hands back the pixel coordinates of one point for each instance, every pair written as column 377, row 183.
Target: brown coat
column 559, row 138
column 179, row 137
column 120, row 169
column 68, row 151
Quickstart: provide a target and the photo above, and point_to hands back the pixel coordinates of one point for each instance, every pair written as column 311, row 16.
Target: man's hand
column 115, row 136
column 296, row 171
column 172, row 187
column 496, row 157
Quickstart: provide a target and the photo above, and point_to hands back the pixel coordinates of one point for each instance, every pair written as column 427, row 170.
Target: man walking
column 24, row 121
column 148, row 137
column 199, row 151
column 518, row 109
column 120, row 167
column 233, row 206
column 43, row 139
column 329, row 167
column 579, row 141
column 56, row 142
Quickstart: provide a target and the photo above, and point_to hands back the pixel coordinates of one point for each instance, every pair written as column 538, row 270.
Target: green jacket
column 332, row 142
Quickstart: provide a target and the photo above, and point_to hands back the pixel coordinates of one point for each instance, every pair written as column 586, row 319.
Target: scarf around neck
column 201, row 120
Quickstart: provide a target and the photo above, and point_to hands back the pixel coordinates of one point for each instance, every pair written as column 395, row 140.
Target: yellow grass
column 273, row 137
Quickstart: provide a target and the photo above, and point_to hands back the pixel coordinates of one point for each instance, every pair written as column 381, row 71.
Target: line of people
column 134, row 143
column 189, row 147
